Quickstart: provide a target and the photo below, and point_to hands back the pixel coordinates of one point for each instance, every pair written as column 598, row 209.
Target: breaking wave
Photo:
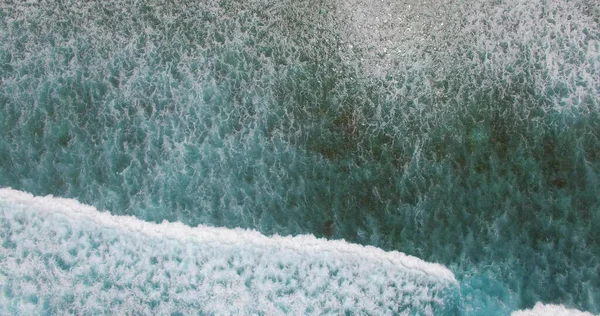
column 58, row 255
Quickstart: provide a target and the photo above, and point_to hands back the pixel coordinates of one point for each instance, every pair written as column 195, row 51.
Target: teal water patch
column 482, row 156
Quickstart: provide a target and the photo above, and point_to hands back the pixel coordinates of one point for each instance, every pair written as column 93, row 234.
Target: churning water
column 466, row 134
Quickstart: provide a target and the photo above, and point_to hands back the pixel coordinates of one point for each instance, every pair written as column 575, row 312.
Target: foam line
column 555, row 310
column 60, row 254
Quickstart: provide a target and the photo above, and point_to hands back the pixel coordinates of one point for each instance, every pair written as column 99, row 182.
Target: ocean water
column 465, row 134
column 67, row 257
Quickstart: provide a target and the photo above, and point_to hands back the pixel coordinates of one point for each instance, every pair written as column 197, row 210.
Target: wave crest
column 61, row 255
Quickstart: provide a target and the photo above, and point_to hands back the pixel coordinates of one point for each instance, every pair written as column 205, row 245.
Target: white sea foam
column 492, row 37
column 58, row 254
column 550, row 310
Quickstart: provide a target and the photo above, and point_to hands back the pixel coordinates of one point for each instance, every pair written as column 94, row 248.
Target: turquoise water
column 478, row 150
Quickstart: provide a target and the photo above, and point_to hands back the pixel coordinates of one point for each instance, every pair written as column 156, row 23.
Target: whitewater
column 300, row 157
column 62, row 256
